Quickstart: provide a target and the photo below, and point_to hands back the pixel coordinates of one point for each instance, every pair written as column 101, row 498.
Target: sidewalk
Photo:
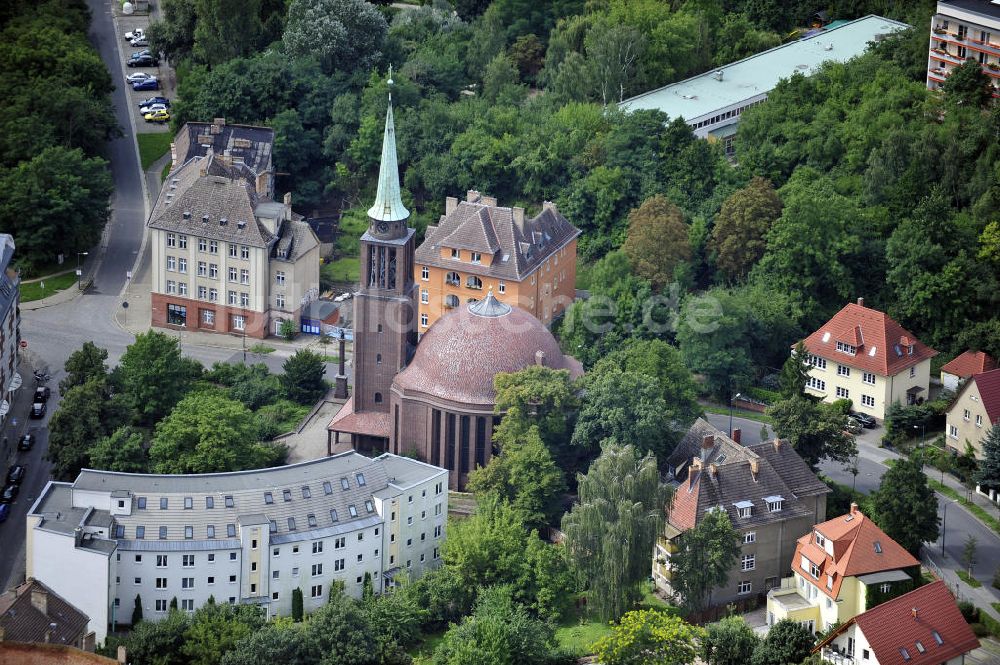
column 982, row 597
column 17, row 422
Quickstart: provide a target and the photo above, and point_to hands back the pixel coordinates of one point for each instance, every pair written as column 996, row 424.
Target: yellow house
column 863, row 355
column 975, row 410
column 841, row 568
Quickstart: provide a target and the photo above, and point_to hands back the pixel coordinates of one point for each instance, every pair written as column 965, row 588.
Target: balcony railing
column 838, row 657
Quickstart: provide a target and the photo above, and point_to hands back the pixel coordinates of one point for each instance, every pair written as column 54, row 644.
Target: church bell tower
column 385, row 306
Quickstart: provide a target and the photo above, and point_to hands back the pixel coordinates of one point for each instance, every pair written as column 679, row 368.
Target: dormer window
column 476, row 257
column 774, row 503
column 744, row 508
column 456, row 254
column 820, row 540
column 849, row 349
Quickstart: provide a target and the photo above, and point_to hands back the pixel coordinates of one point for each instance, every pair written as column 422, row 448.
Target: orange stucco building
column 479, row 247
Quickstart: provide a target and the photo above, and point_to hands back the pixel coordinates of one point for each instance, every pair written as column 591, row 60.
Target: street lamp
column 79, row 272
column 923, row 432
column 732, row 398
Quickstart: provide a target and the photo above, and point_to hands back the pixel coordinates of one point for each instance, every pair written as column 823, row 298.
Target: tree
column 86, row 414
column 343, row 634
column 623, row 406
column 815, row 430
column 657, row 240
column 216, row 629
column 795, row 373
column 173, row 603
column 153, row 376
column 303, row 377
column 537, row 396
column 500, row 75
column 613, row 51
column 649, row 637
column 218, row 21
column 987, row 476
column 611, row 530
column 137, row 611
column 741, row 227
column 969, row 553
column 297, row 612
column 287, row 330
column 280, row 641
column 174, row 34
column 123, row 450
column 498, row 632
column 395, row 617
column 345, row 35
column 159, row 642
column 525, row 475
column 209, row 433
column 729, row 641
column 367, row 589
column 905, row 507
column 527, row 53
column 704, row 558
column 968, row 85
column 84, row 364
column 786, row 642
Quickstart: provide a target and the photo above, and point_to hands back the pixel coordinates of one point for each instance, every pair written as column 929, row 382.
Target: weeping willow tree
column 610, row 532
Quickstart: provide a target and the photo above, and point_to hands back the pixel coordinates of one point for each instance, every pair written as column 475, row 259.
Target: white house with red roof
column 974, row 411
column 922, row 627
column 841, row 568
column 863, row 355
column 965, row 366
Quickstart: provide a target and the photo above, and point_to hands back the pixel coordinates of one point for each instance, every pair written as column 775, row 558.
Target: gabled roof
column 927, row 616
column 24, row 621
column 968, row 363
column 517, row 245
column 989, row 392
column 859, row 548
column 726, row 475
column 882, row 345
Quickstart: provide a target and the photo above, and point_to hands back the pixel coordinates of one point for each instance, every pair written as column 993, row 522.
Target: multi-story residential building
column 479, row 246
column 975, row 410
column 244, row 537
column 10, row 324
column 712, row 103
column 227, row 257
column 964, row 366
column 963, row 29
column 771, row 496
column 863, row 355
column 922, row 627
column 841, row 568
column 32, row 612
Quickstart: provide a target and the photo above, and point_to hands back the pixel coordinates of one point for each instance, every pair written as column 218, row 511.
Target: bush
column 979, row 629
column 764, row 395
column 287, row 330
column 969, row 611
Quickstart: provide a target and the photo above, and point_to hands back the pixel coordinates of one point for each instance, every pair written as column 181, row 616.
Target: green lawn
column 346, row 264
column 34, row 290
column 152, row 147
column 578, row 631
column 969, row 579
column 342, row 270
column 422, row 652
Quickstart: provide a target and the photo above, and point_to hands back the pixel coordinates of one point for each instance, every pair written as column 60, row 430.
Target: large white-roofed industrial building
column 243, row 537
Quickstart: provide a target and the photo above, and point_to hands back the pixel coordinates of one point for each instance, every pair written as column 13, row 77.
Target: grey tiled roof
column 294, row 239
column 21, row 621
column 248, row 144
column 494, row 230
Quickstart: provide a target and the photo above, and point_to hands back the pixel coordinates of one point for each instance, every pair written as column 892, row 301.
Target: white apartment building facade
column 10, row 325
column 963, row 29
column 244, row 537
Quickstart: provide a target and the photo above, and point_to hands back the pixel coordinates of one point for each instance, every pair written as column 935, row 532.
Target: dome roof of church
column 460, row 354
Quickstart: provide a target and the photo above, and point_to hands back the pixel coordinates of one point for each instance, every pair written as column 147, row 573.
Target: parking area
column 165, row 77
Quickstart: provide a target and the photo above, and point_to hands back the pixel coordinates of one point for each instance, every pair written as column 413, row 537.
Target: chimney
column 450, row 203
column 491, row 201
column 861, row 302
column 217, row 125
column 854, row 508
column 914, row 612
column 261, row 184
column 518, row 216
column 707, row 443
column 472, row 196
column 549, row 205
column 173, row 155
column 713, row 469
column 540, row 358
column 203, row 168
column 754, row 466
column 737, row 433
column 695, row 464
column 777, row 444
column 287, row 200
column 122, row 657
column 40, row 599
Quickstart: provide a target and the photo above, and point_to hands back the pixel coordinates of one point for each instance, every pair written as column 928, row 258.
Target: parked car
column 152, row 107
column 155, row 100
column 138, row 33
column 42, row 394
column 38, row 410
column 144, row 51
column 146, row 84
column 143, row 61
column 141, row 41
column 26, row 442
column 4, row 512
column 138, row 76
column 853, row 426
column 866, row 421
column 15, row 474
column 161, row 115
column 9, row 494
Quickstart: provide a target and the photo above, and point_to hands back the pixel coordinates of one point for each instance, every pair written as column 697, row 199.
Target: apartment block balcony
column 834, row 655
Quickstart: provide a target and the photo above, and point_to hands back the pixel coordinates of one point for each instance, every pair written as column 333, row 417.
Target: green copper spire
column 388, row 206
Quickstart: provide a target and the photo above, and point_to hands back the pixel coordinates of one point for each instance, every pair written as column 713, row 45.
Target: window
column 423, row 320
column 163, row 533
column 476, row 257
column 425, row 273
column 774, row 505
column 865, row 654
column 187, row 583
column 868, row 401
column 210, row 532
column 456, row 254
column 202, row 293
column 233, row 275
column 748, row 537
column 361, row 536
column 369, row 506
column 843, row 393
column 816, row 384
column 272, row 526
column 286, row 495
column 229, row 502
column 913, row 372
column 744, row 508
column 202, row 269
column 182, row 265
column 213, row 247
column 182, row 241
column 437, row 531
column 885, row 588
column 409, row 520
column 171, row 263
column 176, row 314
column 502, row 287
column 188, row 532
column 268, row 498
column 979, row 421
column 231, row 530
column 820, row 540
column 817, row 362
column 814, row 570
column 333, row 515
column 210, row 502
column 291, row 524
column 317, row 569
column 232, row 251
column 213, row 296
column 868, row 377
column 843, row 370
column 844, row 347
column 279, row 278
column 253, row 544
column 161, row 560
column 345, row 484
column 171, row 240
column 340, row 543
column 279, row 301
column 425, row 296
column 473, row 282
column 187, row 561
column 952, row 431
column 317, row 547
column 748, row 562
column 244, row 252
column 211, row 558
column 316, row 591
column 141, row 502
column 187, row 604
column 378, row 398
column 232, row 298
column 213, row 270
column 232, row 556
column 311, row 519
column 244, row 299
column 338, row 564
column 244, row 276
column 161, row 605
column 202, row 245
column 182, row 288
column 352, row 510
column 161, row 582
column 360, row 477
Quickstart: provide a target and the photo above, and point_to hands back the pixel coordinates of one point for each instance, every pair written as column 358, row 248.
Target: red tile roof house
column 863, row 355
column 964, row 366
column 922, row 627
column 975, row 409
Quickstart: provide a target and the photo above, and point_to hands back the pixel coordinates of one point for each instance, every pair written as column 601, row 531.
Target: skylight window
column 904, row 653
column 871, row 351
column 937, row 637
column 920, row 647
column 878, row 547
column 345, row 484
column 826, row 337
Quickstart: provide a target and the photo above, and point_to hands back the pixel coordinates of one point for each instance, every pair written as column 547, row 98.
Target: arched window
column 451, row 301
column 474, row 282
column 452, row 278
column 378, row 398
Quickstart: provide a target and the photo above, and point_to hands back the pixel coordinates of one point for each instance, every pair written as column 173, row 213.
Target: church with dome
column 433, row 399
